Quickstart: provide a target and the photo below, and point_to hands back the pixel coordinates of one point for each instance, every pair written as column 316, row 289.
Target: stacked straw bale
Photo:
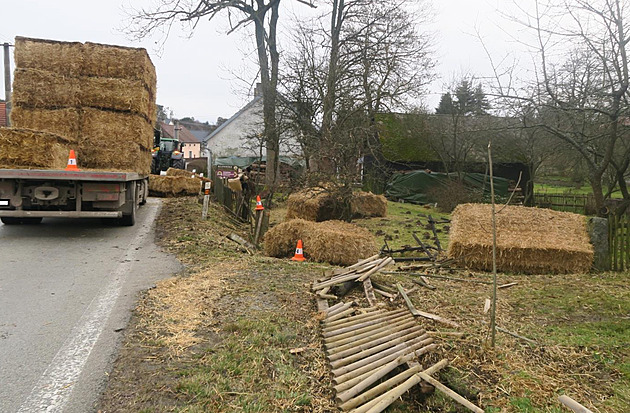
column 319, row 205
column 31, row 149
column 335, row 242
column 101, row 95
column 172, row 186
column 529, row 240
column 64, row 122
column 178, row 172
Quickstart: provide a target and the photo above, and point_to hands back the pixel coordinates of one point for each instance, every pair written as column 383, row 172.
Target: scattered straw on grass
column 335, row 242
column 529, row 240
column 31, row 149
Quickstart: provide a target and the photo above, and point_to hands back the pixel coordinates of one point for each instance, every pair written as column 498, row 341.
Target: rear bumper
column 61, row 214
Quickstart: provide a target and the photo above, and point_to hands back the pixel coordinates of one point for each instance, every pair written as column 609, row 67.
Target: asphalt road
column 67, row 288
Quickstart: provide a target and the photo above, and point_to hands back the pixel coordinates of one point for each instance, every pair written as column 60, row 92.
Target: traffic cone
column 72, row 162
column 299, row 253
column 259, row 205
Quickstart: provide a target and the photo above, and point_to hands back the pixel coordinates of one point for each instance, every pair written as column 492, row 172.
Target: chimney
column 258, row 91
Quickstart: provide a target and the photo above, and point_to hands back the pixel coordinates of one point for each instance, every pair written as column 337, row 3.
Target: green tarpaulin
column 414, row 186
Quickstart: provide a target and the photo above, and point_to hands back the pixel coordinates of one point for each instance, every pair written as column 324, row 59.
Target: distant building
column 242, row 134
column 191, row 146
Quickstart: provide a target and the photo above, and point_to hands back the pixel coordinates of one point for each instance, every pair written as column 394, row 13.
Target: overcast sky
column 202, row 76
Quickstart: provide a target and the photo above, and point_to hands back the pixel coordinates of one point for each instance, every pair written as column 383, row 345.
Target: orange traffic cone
column 259, row 205
column 299, row 253
column 72, row 162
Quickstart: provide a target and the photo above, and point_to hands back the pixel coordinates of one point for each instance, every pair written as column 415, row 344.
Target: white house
column 241, row 135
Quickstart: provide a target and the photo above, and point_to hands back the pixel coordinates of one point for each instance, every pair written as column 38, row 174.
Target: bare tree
column 263, row 14
column 580, row 94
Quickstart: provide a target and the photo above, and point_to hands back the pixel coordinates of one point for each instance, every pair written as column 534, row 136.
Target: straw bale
column 367, row 204
column 100, row 126
column 64, row 122
column 178, row 172
column 316, row 204
column 44, row 89
column 313, row 204
column 529, row 240
column 114, row 156
column 170, row 186
column 117, row 94
column 65, row 58
column 335, row 242
column 121, row 62
column 31, row 149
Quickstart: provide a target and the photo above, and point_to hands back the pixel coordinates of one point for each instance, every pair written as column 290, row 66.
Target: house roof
column 185, row 135
column 234, row 117
column 3, row 114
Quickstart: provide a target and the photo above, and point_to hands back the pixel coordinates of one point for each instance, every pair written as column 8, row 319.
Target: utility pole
column 7, row 80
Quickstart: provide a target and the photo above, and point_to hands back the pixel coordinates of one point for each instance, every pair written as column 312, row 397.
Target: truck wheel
column 17, row 221
column 179, row 164
column 129, row 220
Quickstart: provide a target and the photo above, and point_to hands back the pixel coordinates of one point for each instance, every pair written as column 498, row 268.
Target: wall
column 237, row 136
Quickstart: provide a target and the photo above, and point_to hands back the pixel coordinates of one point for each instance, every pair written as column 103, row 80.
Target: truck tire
column 179, row 164
column 17, row 221
column 129, row 220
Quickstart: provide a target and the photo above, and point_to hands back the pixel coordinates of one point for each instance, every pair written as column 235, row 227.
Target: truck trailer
column 29, row 195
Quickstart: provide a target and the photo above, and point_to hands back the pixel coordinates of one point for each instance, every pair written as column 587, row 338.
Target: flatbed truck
column 29, row 195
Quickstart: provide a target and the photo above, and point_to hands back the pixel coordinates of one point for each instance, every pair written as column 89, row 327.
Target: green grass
column 401, row 221
column 250, row 371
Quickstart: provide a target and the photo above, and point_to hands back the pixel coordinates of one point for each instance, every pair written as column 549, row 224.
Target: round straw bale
column 281, row 240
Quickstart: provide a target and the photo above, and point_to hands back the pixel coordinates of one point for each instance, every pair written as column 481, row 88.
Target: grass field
column 240, row 333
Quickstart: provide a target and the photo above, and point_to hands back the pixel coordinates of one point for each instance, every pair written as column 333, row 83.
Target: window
column 190, row 154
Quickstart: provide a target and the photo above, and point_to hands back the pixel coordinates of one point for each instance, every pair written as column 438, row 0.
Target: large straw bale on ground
column 64, row 122
column 311, row 204
column 121, row 62
column 117, row 94
column 65, row 58
column 335, row 242
column 317, row 204
column 170, row 186
column 529, row 240
column 31, row 149
column 44, row 89
column 367, row 204
column 114, row 156
column 99, row 126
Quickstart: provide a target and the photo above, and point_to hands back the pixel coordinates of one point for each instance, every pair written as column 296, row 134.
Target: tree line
column 354, row 59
